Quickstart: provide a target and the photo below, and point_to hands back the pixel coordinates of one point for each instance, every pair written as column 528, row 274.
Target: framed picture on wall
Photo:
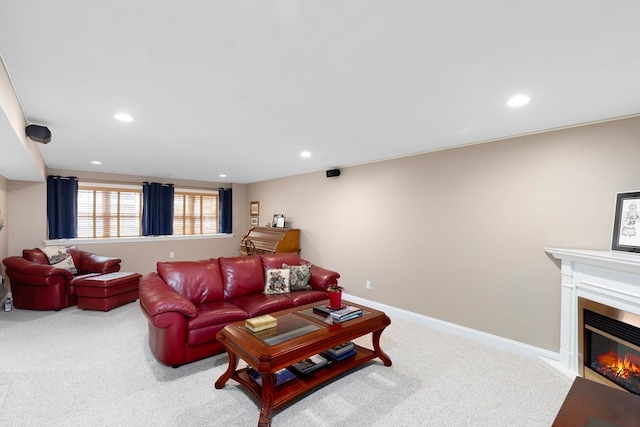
column 254, row 208
column 626, row 223
column 254, row 221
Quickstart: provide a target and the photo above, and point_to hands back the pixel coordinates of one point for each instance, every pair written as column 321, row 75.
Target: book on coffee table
column 282, row 376
column 260, row 323
column 342, row 348
column 341, row 314
column 341, row 356
column 311, row 364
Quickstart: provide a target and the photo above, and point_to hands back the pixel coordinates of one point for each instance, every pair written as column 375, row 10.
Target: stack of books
column 339, row 315
column 261, row 323
column 342, row 351
column 311, row 364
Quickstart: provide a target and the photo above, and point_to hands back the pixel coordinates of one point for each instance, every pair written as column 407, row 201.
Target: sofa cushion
column 299, row 277
column 211, row 318
column 197, row 281
column 276, row 281
column 276, row 260
column 306, row 297
column 216, row 313
column 259, row 304
column 241, row 276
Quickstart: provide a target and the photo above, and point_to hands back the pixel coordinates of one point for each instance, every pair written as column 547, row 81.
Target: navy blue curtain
column 224, row 219
column 157, row 209
column 62, row 206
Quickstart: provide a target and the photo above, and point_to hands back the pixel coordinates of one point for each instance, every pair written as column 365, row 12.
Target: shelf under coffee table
column 300, row 334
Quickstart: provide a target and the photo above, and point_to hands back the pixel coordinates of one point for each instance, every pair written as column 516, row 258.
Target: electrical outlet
column 171, row 255
column 368, row 284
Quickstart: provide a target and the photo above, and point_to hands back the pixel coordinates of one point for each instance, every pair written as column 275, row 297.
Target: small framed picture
column 278, row 220
column 254, row 208
column 626, row 223
column 254, row 221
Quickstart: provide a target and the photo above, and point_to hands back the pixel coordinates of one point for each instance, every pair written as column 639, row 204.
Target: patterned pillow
column 276, row 281
column 60, row 257
column 299, row 277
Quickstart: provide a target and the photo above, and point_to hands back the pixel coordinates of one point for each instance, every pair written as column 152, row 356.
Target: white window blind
column 195, row 212
column 105, row 212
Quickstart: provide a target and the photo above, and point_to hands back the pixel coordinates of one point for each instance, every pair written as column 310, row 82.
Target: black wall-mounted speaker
column 333, row 172
column 38, row 133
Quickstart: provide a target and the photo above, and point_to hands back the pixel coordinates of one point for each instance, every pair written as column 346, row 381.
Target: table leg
column 375, row 337
column 266, row 406
column 233, row 365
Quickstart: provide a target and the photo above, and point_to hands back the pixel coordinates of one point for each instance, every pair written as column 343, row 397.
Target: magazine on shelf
column 341, row 356
column 311, row 364
column 282, row 376
column 342, row 348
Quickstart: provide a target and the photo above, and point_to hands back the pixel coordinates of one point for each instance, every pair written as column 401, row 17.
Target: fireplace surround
column 603, row 278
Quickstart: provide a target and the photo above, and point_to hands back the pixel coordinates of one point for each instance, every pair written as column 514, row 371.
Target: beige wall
column 458, row 234
column 4, row 239
column 27, row 214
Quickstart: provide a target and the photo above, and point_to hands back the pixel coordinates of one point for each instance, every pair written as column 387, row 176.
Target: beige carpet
column 86, row 368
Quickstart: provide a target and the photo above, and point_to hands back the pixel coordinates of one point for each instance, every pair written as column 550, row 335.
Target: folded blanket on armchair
column 60, row 257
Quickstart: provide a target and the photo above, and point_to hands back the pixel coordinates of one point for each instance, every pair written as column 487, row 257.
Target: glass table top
column 289, row 326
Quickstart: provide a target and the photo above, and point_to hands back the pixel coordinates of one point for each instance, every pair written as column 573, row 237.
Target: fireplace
column 611, row 281
column 609, row 345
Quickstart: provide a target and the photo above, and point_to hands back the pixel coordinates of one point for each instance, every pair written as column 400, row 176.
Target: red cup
column 335, row 299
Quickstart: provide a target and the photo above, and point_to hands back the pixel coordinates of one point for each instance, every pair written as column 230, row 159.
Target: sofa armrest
column 28, row 268
column 157, row 297
column 93, row 263
column 321, row 278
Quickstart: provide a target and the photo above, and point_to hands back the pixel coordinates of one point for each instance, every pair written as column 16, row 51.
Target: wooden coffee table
column 300, row 334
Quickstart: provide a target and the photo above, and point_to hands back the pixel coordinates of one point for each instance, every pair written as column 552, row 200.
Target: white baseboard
column 490, row 340
column 557, row 368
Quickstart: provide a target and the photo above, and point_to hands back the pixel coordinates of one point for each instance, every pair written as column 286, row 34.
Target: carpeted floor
column 87, row 368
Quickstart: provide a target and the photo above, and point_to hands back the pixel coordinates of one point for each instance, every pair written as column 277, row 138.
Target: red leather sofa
column 188, row 302
column 36, row 285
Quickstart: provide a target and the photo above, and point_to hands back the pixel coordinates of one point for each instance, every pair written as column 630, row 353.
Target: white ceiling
column 243, row 87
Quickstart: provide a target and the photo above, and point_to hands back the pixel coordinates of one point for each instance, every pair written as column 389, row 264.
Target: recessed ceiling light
column 518, row 100
column 222, row 175
column 305, row 154
column 96, row 162
column 123, row 117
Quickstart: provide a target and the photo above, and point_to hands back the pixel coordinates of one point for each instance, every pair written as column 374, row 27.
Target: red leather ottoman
column 107, row 291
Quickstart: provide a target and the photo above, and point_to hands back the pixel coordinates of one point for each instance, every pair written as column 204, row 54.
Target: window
column 195, row 212
column 109, row 210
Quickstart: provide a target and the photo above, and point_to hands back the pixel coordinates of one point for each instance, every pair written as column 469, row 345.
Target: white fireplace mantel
column 609, row 278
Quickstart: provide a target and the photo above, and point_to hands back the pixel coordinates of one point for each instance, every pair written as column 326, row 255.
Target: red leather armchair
column 36, row 285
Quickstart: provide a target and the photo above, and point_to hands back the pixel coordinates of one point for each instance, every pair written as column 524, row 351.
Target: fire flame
column 621, row 368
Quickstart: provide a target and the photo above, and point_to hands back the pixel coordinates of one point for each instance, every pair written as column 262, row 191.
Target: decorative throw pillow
column 299, row 277
column 60, row 257
column 276, row 281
